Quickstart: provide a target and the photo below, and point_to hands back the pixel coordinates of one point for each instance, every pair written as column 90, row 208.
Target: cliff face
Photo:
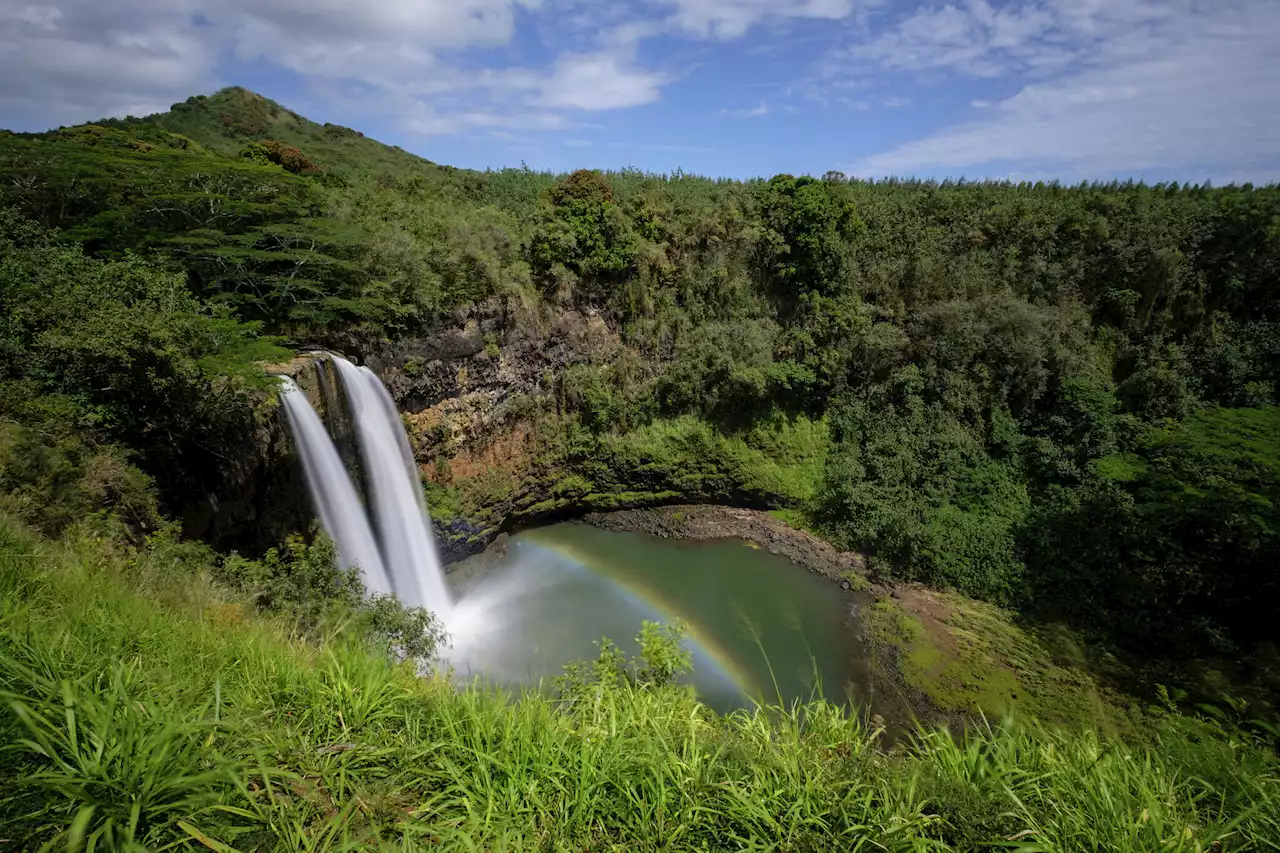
column 464, row 385
column 262, row 496
column 488, row 399
column 474, row 390
column 479, row 392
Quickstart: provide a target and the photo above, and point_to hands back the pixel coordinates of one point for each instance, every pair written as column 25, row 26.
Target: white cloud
column 382, row 42
column 76, row 60
column 1105, row 88
column 599, row 81
column 437, row 66
column 85, row 59
column 978, row 39
column 728, row 19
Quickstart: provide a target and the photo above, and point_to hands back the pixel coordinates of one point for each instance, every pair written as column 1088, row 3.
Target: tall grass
column 173, row 720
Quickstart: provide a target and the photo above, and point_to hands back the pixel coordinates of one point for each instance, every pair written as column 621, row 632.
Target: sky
column 1158, row 90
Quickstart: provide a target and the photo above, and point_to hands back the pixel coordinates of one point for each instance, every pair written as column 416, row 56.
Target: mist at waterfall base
column 758, row 627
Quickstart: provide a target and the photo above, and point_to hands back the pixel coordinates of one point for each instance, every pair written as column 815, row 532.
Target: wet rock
column 501, row 543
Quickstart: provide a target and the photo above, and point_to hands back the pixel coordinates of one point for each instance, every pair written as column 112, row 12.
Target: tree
column 814, row 221
column 585, row 230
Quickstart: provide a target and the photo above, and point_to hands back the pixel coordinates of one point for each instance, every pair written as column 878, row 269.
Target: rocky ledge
column 694, row 521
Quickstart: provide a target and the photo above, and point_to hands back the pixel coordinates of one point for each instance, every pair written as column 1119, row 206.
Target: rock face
column 461, row 382
column 262, row 497
column 466, row 387
column 721, row 522
column 483, row 396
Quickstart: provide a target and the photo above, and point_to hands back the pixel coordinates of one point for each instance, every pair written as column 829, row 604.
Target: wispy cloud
column 75, row 60
column 1105, row 88
column 728, row 19
column 758, row 111
column 1072, row 87
column 599, row 81
column 432, row 62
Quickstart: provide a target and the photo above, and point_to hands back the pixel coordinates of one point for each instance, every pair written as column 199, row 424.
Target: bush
column 52, row 484
column 906, row 479
column 287, row 157
column 304, row 584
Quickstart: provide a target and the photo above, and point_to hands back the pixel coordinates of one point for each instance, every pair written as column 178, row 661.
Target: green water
column 760, row 626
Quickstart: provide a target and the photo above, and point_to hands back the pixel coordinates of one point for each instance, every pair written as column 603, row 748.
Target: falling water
column 393, row 414
column 331, row 490
column 395, row 492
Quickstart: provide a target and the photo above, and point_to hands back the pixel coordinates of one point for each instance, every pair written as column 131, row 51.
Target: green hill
column 225, row 121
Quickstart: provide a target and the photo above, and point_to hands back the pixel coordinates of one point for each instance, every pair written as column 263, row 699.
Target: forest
column 1058, row 399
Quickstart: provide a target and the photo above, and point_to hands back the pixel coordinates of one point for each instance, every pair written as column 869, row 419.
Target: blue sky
column 1072, row 89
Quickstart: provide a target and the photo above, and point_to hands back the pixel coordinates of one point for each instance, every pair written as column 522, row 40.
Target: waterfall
column 331, row 491
column 402, row 558
column 389, row 408
column 395, row 492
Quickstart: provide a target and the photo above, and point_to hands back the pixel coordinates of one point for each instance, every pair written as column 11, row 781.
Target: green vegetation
column 970, row 657
column 144, row 708
column 113, row 359
column 1060, row 400
column 1191, row 532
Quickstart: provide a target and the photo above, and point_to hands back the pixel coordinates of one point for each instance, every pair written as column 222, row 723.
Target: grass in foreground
column 145, row 709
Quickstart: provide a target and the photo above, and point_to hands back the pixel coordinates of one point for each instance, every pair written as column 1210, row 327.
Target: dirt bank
column 720, row 522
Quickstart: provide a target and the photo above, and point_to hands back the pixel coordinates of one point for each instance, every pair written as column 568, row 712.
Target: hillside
column 225, row 121
column 961, row 378
column 146, row 707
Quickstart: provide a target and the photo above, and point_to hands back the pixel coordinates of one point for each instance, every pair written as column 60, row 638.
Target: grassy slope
column 224, row 121
column 142, row 706
column 971, row 657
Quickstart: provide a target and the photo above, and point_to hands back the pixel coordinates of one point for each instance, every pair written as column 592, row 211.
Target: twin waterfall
column 392, row 543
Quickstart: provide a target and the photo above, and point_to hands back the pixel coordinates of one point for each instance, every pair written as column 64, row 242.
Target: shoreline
column 710, row 521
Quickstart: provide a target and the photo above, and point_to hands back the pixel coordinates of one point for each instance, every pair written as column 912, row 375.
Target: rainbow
column 669, row 608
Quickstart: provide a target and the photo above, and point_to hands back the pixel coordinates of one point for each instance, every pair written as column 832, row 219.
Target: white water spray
column 331, row 490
